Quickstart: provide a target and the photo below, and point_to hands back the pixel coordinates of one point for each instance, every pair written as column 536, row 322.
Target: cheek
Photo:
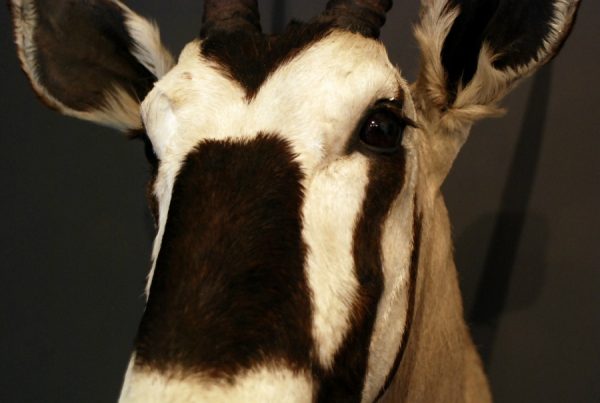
column 160, row 122
column 399, row 249
column 333, row 201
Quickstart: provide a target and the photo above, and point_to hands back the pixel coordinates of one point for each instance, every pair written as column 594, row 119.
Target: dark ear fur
column 95, row 60
column 474, row 51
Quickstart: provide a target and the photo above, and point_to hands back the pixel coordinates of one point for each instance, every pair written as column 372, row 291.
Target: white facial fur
column 315, row 101
column 263, row 385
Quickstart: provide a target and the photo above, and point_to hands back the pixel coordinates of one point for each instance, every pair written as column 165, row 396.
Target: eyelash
column 395, row 106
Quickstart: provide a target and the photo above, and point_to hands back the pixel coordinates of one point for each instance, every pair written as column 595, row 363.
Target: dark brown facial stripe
column 229, row 290
column 412, row 287
column 344, row 383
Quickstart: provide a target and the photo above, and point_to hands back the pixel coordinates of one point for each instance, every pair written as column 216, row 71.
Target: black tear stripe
column 345, row 382
column 412, row 290
column 83, row 51
column 249, row 57
column 229, row 290
column 514, row 29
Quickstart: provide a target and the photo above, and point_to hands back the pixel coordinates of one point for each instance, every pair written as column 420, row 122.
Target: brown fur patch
column 96, row 59
column 229, row 290
column 249, row 57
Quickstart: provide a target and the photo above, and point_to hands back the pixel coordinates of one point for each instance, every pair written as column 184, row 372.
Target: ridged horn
column 230, row 16
column 362, row 16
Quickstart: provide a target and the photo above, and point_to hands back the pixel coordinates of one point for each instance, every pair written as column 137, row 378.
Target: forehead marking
column 315, row 100
column 249, row 57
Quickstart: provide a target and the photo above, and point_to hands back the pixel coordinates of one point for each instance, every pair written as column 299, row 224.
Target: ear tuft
column 474, row 51
column 93, row 60
column 148, row 48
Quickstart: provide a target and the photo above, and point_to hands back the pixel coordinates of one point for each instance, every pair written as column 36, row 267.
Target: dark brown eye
column 382, row 131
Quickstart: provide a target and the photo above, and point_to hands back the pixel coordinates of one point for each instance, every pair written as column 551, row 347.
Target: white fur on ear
column 431, row 33
column 478, row 99
column 119, row 109
column 149, row 50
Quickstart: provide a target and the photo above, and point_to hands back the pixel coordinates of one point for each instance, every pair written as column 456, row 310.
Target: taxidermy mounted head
column 302, row 248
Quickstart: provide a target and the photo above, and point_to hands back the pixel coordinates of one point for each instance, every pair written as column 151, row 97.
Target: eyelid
column 396, row 106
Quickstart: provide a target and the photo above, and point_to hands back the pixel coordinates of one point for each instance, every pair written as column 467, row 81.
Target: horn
column 363, row 16
column 230, row 16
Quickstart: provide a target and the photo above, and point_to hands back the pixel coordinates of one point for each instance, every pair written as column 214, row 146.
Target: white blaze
column 261, row 385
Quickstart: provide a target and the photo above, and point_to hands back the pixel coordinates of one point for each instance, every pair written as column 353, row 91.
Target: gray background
column 523, row 197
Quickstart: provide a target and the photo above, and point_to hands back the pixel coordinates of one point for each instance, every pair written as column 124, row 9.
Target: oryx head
column 296, row 183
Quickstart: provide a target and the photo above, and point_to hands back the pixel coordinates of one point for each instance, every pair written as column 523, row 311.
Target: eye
column 382, row 130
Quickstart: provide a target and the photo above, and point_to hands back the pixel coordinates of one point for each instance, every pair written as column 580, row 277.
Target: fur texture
column 109, row 90
column 318, row 134
column 230, row 291
column 259, row 385
column 496, row 69
column 290, row 260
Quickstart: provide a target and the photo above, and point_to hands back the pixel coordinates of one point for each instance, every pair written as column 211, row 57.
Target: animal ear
column 475, row 51
column 94, row 59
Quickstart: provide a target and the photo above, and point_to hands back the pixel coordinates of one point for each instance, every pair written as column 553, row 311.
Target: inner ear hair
column 92, row 60
column 474, row 52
